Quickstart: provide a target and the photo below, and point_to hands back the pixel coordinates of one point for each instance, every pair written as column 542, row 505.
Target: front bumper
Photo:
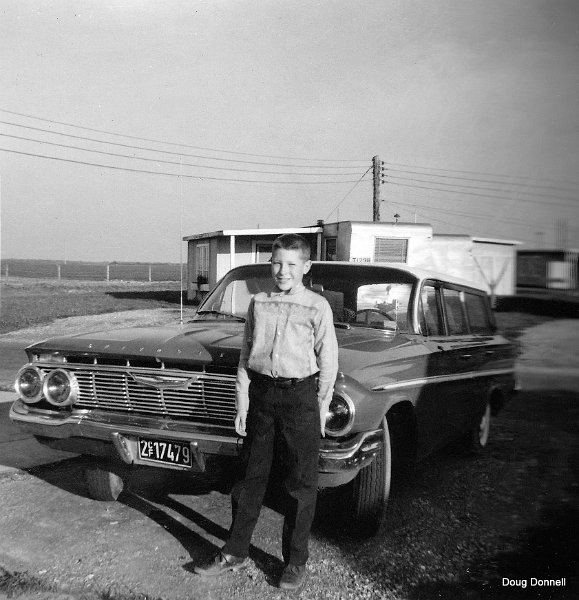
column 88, row 431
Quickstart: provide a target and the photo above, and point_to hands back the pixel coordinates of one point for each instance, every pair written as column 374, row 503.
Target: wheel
column 478, row 437
column 103, row 483
column 370, row 490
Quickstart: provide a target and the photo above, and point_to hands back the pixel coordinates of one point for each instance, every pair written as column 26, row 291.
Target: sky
column 125, row 126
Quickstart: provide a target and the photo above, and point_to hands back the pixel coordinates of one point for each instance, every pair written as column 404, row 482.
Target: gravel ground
column 454, row 530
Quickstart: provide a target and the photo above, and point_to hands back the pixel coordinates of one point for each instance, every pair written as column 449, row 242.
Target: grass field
column 27, row 302
column 96, row 271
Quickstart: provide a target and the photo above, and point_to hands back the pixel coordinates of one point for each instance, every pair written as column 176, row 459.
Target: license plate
column 166, row 452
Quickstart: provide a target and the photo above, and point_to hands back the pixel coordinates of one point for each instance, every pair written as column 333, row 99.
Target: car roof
column 419, row 273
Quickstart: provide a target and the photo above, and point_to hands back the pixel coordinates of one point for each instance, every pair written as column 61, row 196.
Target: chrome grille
column 204, row 397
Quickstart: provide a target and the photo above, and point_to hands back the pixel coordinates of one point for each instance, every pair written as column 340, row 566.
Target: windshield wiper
column 221, row 314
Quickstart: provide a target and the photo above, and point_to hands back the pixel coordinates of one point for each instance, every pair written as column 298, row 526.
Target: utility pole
column 377, row 175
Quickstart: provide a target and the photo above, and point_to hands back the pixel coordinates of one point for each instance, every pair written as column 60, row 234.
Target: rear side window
column 455, row 316
column 479, row 317
column 430, row 317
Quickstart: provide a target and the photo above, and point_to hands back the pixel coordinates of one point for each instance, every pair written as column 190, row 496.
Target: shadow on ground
column 453, row 531
column 152, row 492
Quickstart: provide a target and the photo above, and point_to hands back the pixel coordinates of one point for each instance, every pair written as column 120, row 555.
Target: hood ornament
column 163, row 382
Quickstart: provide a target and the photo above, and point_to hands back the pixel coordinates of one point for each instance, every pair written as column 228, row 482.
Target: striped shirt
column 289, row 335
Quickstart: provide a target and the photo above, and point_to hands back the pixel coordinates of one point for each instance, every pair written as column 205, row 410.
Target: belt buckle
column 283, row 383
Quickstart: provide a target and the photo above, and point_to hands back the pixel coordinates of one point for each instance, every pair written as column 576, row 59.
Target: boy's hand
column 323, row 422
column 240, row 419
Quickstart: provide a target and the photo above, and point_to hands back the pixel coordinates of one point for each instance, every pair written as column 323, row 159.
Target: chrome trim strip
column 347, row 449
column 396, row 385
column 351, row 455
column 193, row 372
column 334, row 457
column 82, row 426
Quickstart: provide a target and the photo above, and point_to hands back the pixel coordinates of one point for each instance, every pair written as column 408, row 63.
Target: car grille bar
column 203, row 397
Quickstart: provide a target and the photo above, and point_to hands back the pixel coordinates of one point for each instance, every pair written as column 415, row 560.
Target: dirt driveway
column 458, row 529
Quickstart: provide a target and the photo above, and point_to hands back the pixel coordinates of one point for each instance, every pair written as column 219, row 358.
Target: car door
column 488, row 351
column 466, row 351
column 437, row 398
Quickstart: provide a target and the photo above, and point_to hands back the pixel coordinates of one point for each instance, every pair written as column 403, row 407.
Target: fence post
column 58, row 271
column 6, row 270
column 108, row 272
column 150, row 278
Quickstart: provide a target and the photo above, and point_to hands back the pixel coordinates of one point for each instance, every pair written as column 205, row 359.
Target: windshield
column 374, row 297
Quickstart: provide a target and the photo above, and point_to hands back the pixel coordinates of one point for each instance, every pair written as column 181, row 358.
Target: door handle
column 466, row 356
column 489, row 352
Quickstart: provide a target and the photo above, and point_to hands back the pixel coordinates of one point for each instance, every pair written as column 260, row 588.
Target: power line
column 475, row 187
column 574, row 185
column 348, row 193
column 446, row 222
column 493, row 197
column 200, row 177
column 172, row 153
column 525, row 179
column 409, row 205
column 485, row 181
column 169, row 162
column 181, row 145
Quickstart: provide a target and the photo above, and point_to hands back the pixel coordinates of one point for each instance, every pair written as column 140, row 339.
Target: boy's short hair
column 292, row 241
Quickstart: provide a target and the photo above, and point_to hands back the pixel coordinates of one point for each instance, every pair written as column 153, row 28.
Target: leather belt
column 280, row 382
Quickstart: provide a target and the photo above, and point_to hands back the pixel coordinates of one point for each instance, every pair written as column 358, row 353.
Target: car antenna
column 181, row 241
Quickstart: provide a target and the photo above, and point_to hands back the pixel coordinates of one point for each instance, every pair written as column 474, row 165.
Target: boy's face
column 288, row 268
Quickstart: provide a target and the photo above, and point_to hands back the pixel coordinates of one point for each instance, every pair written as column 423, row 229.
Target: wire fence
column 90, row 271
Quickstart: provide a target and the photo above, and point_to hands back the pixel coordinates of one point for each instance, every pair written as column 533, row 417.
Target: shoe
column 292, row 577
column 219, row 564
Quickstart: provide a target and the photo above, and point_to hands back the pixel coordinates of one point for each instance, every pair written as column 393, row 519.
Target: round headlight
column 340, row 416
column 60, row 388
column 29, row 384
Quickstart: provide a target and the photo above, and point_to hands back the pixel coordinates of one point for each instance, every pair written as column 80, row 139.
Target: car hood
column 200, row 343
column 218, row 344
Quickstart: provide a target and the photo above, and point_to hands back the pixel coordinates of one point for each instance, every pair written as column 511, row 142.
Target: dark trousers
column 285, row 420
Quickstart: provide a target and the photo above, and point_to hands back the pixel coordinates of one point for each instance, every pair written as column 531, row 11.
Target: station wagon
column 421, row 364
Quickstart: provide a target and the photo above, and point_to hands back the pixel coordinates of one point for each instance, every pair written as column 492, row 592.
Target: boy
column 287, row 368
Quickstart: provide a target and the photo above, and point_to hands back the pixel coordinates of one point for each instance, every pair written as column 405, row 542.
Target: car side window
column 479, row 317
column 429, row 312
column 455, row 315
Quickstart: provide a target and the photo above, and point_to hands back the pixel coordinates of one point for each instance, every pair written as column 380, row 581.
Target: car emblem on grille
column 164, row 381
